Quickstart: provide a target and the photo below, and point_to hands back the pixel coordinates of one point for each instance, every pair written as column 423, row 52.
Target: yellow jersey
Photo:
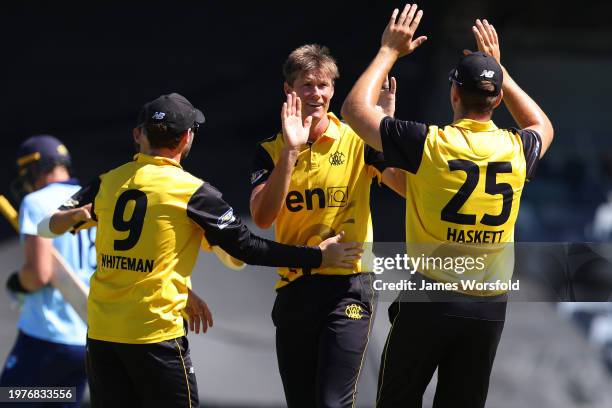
column 329, row 191
column 152, row 217
column 463, row 191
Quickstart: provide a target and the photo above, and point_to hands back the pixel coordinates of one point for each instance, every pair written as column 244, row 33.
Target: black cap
column 44, row 149
column 173, row 110
column 476, row 67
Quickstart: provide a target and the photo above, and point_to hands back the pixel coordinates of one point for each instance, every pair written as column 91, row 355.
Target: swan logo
column 354, row 311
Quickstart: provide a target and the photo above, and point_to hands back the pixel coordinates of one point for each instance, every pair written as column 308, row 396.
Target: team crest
column 337, row 159
column 354, row 311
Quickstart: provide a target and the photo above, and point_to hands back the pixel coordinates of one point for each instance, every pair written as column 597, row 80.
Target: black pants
column 426, row 336
column 141, row 375
column 322, row 330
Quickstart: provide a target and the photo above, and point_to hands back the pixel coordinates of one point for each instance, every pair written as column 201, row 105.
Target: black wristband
column 14, row 284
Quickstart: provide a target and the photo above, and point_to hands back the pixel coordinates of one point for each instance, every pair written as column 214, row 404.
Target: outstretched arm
column 525, row 111
column 359, row 108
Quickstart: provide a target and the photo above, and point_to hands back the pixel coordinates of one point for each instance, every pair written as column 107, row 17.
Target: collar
column 474, row 125
column 333, row 129
column 155, row 160
column 71, row 181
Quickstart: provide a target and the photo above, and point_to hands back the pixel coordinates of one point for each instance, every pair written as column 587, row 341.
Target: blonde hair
column 310, row 57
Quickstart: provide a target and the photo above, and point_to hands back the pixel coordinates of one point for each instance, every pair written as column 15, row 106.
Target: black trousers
column 141, row 375
column 426, row 336
column 322, row 330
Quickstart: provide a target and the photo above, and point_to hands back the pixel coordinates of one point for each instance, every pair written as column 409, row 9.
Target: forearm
column 32, row 278
column 255, row 250
column 36, row 271
column 62, row 221
column 267, row 202
column 361, row 101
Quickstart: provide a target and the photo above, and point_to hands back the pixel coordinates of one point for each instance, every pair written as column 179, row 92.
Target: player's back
column 147, row 247
column 467, row 191
column 470, row 181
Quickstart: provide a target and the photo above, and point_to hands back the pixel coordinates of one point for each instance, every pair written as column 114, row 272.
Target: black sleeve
column 207, row 208
column 532, row 145
column 261, row 167
column 403, row 143
column 83, row 197
column 374, row 158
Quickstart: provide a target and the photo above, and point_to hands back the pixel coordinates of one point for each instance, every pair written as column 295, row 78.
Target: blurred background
column 82, row 72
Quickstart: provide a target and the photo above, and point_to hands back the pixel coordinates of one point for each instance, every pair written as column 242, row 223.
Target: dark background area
column 81, row 72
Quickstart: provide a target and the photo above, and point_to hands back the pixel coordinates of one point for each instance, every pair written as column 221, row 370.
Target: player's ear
column 499, row 99
column 287, row 88
column 454, row 94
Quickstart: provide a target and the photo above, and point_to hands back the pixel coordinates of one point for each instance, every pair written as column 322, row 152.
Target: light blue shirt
column 45, row 315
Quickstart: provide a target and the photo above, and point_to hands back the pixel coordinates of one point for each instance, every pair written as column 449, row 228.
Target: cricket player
column 312, row 180
column 50, row 346
column 152, row 217
column 465, row 182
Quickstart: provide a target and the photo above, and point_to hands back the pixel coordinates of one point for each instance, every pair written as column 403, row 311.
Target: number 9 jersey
column 151, row 217
column 464, row 185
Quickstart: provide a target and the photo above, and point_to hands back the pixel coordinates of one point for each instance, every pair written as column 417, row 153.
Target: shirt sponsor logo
column 354, row 311
column 226, row 219
column 335, row 197
column 256, row 175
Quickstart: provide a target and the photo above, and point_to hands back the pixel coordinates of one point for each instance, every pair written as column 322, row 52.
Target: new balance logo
column 487, row 74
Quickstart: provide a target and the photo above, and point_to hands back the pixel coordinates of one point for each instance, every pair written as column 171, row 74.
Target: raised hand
column 386, row 99
column 486, row 39
column 198, row 313
column 399, row 33
column 338, row 254
column 295, row 131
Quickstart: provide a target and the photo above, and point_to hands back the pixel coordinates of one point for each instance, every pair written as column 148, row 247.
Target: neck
column 58, row 174
column 480, row 117
column 317, row 128
column 163, row 152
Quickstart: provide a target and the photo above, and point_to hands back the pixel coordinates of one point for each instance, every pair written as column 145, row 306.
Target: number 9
column 134, row 223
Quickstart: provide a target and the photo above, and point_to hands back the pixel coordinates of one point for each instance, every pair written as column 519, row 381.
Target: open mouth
column 314, row 104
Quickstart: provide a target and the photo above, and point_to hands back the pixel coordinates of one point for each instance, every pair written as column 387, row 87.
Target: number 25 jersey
column 464, row 184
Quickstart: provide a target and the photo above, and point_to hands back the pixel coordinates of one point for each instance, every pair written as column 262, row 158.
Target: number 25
column 451, row 213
